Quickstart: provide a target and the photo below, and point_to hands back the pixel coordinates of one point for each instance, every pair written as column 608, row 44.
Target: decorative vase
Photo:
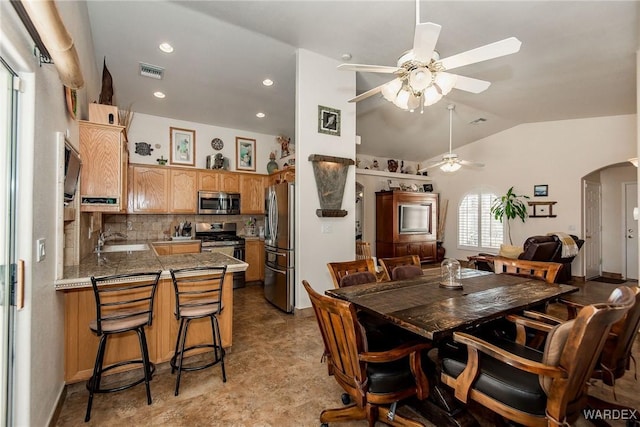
column 272, row 166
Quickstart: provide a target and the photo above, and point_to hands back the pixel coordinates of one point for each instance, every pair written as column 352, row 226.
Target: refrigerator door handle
column 275, row 269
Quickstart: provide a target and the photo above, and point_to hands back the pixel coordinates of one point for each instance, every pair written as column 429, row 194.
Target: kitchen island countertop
column 110, row 263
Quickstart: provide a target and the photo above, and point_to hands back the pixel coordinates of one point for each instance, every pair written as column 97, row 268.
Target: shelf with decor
column 393, row 175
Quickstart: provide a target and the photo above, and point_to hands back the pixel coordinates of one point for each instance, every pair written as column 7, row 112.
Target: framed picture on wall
column 183, row 147
column 245, row 154
column 540, row 190
column 328, row 120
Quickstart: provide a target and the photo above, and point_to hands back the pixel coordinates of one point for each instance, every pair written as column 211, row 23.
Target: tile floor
column 274, row 378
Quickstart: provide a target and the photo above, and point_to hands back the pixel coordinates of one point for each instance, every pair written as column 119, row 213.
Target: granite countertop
column 110, row 263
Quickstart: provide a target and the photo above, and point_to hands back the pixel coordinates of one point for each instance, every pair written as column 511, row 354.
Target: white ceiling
column 577, row 60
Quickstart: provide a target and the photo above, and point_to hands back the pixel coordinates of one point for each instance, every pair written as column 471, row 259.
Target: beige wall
column 39, row 326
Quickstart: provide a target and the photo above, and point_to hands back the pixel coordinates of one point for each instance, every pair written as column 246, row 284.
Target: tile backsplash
column 161, row 227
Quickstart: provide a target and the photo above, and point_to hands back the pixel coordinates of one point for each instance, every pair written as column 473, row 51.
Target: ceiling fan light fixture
column 445, row 82
column 450, row 167
column 390, row 90
column 431, row 96
column 413, row 102
column 420, row 79
column 402, row 100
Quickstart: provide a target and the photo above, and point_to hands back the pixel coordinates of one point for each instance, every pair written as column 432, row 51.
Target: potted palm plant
column 510, row 206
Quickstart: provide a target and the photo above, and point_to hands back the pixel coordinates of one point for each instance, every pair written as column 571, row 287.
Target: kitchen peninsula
column 81, row 344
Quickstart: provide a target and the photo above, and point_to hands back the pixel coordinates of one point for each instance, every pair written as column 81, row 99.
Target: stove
column 223, row 235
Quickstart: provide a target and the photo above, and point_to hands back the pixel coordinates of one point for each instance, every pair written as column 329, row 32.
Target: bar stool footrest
column 217, row 350
column 135, row 382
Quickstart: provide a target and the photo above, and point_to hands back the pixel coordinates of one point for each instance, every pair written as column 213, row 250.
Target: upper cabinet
column 149, row 189
column 212, row 180
column 252, row 194
column 103, row 182
column 183, row 191
column 284, row 175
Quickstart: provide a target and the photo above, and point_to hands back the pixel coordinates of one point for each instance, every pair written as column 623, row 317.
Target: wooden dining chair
column 375, row 380
column 546, row 271
column 528, row 386
column 401, row 267
column 363, row 249
column 347, row 273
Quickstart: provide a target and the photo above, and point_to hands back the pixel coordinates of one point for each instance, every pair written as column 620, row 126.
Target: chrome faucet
column 104, row 236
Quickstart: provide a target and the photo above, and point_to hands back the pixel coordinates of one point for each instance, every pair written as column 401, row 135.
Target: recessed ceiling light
column 260, row 115
column 159, row 94
column 346, row 56
column 166, row 47
column 267, row 82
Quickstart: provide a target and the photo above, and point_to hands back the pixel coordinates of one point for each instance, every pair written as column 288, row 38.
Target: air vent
column 478, row 121
column 153, row 71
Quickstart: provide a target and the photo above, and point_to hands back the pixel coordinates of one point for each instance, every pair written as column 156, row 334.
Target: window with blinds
column 476, row 226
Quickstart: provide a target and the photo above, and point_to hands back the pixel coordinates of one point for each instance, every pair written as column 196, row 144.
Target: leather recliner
column 549, row 249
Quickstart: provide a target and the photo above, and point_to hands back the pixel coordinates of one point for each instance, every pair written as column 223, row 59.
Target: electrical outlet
column 129, row 225
column 41, row 249
column 325, row 228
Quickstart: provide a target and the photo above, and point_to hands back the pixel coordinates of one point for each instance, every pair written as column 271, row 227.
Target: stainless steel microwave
column 218, row 203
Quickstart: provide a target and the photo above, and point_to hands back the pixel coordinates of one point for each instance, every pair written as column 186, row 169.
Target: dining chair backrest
column 546, row 271
column 401, row 267
column 616, row 354
column 361, row 269
column 363, row 249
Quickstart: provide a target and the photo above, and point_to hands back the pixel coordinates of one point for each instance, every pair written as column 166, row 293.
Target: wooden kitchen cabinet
column 173, row 248
column 413, row 235
column 252, row 191
column 212, row 180
column 149, row 190
column 284, row 175
column 182, row 191
column 254, row 256
column 104, row 155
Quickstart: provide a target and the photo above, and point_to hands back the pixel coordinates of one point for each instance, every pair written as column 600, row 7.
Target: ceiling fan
column 422, row 77
column 450, row 161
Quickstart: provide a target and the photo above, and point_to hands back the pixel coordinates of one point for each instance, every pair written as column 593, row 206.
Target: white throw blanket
column 569, row 246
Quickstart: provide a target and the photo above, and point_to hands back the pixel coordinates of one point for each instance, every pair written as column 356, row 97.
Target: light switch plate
column 41, row 249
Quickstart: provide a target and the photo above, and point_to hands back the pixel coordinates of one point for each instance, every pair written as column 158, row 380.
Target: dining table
column 434, row 311
column 589, row 293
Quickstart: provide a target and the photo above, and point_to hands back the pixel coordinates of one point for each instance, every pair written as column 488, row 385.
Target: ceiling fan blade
column 468, row 163
column 468, row 84
column 482, row 53
column 434, row 165
column 424, row 40
column 367, row 94
column 368, row 68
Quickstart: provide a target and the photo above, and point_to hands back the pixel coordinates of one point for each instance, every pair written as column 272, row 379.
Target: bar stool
column 124, row 303
column 198, row 295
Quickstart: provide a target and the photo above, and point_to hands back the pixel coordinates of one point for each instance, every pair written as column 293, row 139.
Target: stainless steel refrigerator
column 279, row 234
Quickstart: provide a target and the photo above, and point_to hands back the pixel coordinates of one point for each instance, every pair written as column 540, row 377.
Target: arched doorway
column 609, row 230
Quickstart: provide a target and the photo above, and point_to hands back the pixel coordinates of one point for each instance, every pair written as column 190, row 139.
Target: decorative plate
column 217, row 144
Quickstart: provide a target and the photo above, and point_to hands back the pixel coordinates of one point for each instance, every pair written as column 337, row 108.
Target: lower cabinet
column 81, row 344
column 173, row 248
column 254, row 256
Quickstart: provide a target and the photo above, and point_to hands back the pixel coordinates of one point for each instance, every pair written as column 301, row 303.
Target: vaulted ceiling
column 577, row 60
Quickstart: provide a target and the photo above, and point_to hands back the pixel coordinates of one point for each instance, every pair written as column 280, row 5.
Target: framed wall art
column 540, row 190
column 245, row 154
column 328, row 120
column 183, row 147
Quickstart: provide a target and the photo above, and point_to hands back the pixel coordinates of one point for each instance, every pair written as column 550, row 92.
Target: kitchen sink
column 125, row 248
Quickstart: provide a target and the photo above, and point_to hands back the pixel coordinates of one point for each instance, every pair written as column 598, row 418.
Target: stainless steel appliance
column 218, row 203
column 222, row 235
column 279, row 281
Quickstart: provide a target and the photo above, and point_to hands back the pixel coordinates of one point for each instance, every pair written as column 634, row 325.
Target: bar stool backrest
column 124, row 301
column 198, row 290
